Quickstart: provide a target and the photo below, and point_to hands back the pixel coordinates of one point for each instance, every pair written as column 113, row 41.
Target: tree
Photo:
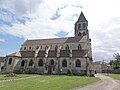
column 116, row 61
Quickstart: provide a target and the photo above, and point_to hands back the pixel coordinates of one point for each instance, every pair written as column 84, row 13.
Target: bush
column 11, row 75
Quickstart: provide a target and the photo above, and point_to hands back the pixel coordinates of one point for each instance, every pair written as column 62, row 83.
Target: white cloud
column 103, row 17
column 2, row 40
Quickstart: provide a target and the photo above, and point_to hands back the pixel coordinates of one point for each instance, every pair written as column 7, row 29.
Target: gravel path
column 18, row 79
column 106, row 83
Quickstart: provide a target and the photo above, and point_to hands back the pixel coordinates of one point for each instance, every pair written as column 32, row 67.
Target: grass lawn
column 3, row 76
column 115, row 76
column 50, row 82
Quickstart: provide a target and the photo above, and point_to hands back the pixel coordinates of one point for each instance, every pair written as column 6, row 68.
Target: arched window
column 52, row 62
column 24, row 48
column 64, row 63
column 40, row 62
column 56, row 47
column 67, row 47
column 31, row 63
column 79, row 34
column 79, row 26
column 84, row 33
column 84, row 25
column 30, row 48
column 78, row 63
column 79, row 47
column 10, row 61
column 23, row 63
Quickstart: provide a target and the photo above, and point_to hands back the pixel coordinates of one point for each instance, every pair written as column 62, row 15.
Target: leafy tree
column 116, row 61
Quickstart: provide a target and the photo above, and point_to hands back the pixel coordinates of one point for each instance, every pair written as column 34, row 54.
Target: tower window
column 79, row 26
column 84, row 33
column 84, row 25
column 79, row 34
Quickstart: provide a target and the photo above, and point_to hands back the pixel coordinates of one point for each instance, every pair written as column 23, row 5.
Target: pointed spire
column 82, row 18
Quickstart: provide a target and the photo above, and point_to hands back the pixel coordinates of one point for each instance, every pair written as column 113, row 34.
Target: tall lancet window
column 84, row 33
column 78, row 63
column 31, row 63
column 40, row 62
column 79, row 34
column 23, row 63
column 64, row 63
column 84, row 25
column 79, row 26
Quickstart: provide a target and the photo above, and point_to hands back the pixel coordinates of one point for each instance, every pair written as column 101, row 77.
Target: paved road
column 106, row 83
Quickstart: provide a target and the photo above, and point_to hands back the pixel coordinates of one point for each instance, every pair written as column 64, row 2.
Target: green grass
column 115, row 76
column 3, row 76
column 52, row 82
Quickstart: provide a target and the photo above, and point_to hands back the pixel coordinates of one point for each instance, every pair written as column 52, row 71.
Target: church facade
column 55, row 56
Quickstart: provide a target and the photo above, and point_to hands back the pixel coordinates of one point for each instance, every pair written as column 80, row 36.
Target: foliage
column 116, row 61
column 51, row 82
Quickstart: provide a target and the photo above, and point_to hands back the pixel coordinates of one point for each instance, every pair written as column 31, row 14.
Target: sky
column 21, row 20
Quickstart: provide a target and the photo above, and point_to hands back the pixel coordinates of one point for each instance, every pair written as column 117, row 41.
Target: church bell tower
column 81, row 26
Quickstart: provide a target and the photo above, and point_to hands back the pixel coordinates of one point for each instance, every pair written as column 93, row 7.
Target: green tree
column 116, row 61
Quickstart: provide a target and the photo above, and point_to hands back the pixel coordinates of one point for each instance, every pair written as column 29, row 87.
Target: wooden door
column 49, row 69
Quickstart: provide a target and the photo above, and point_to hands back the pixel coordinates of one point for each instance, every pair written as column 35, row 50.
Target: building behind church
column 55, row 56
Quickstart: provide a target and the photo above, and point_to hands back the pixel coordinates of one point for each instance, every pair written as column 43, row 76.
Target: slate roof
column 2, row 59
column 41, row 54
column 51, row 41
column 64, row 53
column 27, row 54
column 15, row 54
column 82, row 18
column 78, row 53
column 52, row 53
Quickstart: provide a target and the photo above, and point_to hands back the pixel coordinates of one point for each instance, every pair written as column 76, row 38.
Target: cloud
column 21, row 7
column 2, row 40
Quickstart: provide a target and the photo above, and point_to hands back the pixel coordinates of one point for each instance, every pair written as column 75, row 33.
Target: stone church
column 55, row 56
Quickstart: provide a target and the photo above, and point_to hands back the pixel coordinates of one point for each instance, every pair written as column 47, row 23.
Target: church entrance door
column 49, row 69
